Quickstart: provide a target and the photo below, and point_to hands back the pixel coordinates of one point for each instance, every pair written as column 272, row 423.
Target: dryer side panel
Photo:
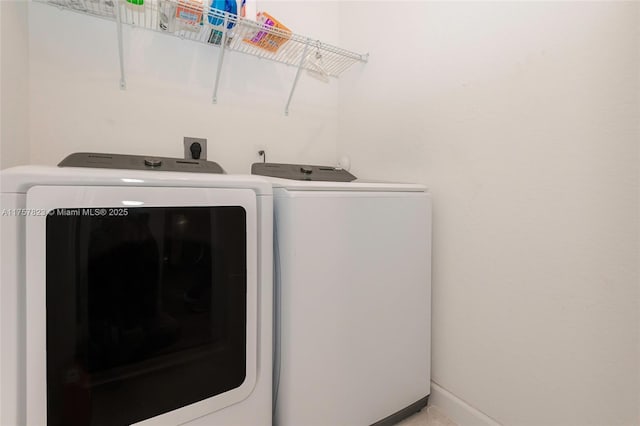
column 12, row 325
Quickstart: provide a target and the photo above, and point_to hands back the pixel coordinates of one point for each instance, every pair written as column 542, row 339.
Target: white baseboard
column 460, row 412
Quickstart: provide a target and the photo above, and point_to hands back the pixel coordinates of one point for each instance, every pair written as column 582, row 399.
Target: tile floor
column 430, row 416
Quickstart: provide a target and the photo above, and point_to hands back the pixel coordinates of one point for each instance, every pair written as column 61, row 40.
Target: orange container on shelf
column 189, row 12
column 265, row 39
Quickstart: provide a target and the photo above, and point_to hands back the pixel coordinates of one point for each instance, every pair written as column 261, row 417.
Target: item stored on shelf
column 108, row 7
column 268, row 39
column 248, row 9
column 315, row 66
column 167, row 15
column 189, row 14
column 135, row 3
column 217, row 18
column 218, row 12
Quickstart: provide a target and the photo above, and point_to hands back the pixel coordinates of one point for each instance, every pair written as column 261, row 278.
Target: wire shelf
column 187, row 19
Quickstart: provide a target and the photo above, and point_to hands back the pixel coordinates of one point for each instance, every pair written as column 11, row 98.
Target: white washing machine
column 353, row 291
column 135, row 291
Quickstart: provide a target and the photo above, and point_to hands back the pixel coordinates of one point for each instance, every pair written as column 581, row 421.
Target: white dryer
column 134, row 292
column 353, row 298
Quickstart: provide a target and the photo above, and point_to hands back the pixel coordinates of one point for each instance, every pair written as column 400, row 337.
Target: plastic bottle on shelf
column 248, row 9
column 218, row 12
column 136, row 5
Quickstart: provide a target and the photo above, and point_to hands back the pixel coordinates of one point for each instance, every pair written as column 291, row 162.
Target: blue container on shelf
column 229, row 6
column 216, row 18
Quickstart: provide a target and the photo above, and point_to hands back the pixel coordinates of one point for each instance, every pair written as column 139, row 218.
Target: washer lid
column 356, row 185
column 20, row 179
column 300, row 177
column 302, row 172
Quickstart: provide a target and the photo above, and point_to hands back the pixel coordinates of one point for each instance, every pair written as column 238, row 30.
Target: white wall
column 523, row 119
column 76, row 103
column 14, row 72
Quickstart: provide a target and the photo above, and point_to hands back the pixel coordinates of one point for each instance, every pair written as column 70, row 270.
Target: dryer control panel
column 139, row 162
column 302, row 172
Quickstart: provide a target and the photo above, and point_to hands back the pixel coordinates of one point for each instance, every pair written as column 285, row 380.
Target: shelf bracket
column 223, row 48
column 123, row 82
column 295, row 81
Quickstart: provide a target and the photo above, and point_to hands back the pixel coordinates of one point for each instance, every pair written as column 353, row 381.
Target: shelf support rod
column 223, row 47
column 295, row 81
column 123, row 82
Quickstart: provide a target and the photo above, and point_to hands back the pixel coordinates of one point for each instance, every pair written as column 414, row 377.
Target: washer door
column 141, row 304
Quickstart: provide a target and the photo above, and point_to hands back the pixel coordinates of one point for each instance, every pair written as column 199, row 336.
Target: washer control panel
column 139, row 162
column 302, row 172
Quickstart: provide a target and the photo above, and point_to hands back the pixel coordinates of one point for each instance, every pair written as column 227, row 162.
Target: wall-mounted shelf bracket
column 223, row 48
column 123, row 81
column 221, row 29
column 295, row 81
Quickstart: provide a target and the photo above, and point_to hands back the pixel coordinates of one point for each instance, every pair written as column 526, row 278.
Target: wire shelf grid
column 189, row 20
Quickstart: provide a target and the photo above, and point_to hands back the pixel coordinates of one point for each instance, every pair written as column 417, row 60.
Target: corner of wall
column 14, row 83
column 459, row 411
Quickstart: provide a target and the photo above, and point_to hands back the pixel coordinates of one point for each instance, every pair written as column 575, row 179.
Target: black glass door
column 146, row 310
